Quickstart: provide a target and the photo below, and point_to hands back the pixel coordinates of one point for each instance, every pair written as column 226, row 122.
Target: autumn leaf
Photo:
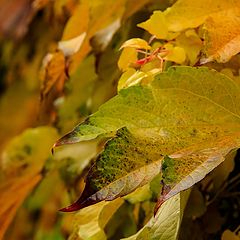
column 175, row 53
column 53, row 73
column 91, row 18
column 220, row 19
column 127, row 58
column 156, row 25
column 89, row 223
column 185, row 113
column 137, row 43
column 165, row 225
column 191, row 43
column 191, row 14
column 21, row 164
column 222, row 38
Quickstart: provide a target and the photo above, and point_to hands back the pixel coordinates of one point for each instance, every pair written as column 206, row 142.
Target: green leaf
column 190, row 114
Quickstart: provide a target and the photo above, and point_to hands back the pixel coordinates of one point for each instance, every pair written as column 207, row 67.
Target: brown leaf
column 15, row 17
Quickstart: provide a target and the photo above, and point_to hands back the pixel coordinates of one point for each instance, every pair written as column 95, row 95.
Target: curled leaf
column 137, row 43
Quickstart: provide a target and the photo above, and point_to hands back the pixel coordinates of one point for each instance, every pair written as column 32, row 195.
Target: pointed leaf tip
column 79, row 204
column 69, row 138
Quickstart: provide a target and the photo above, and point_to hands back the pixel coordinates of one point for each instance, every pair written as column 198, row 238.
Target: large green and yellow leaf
column 188, row 114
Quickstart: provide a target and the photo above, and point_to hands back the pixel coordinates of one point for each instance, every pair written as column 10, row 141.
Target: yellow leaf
column 192, row 13
column 156, row 25
column 22, row 162
column 229, row 235
column 222, row 37
column 13, row 193
column 78, row 22
column 136, row 43
column 127, row 57
column 129, row 78
column 133, row 6
column 97, row 20
column 176, row 54
column 69, row 47
column 53, row 73
column 89, row 223
column 191, row 43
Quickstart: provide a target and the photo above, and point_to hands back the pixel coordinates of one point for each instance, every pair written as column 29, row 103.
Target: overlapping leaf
column 21, row 164
column 90, row 222
column 189, row 114
column 220, row 19
column 166, row 224
column 222, row 38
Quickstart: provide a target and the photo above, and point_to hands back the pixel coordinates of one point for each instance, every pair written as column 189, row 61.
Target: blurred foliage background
column 48, row 85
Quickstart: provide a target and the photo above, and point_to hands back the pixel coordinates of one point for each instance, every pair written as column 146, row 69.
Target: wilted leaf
column 222, row 37
column 21, row 164
column 189, row 114
column 54, row 73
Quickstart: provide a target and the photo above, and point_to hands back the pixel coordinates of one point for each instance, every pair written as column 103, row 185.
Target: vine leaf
column 166, row 224
column 136, row 43
column 191, row 115
column 220, row 21
column 90, row 222
column 156, row 25
column 186, row 14
column 21, row 164
column 222, row 38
